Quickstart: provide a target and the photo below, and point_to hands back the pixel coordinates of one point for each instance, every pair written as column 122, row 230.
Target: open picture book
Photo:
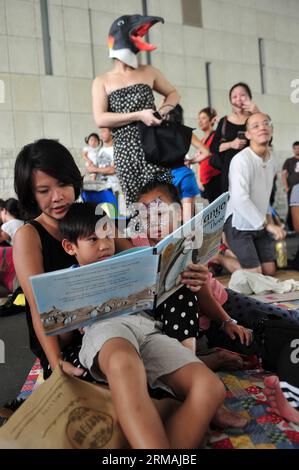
column 132, row 281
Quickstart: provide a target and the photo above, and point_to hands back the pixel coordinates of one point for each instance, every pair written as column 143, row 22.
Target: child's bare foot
column 222, row 360
column 228, row 419
column 278, row 403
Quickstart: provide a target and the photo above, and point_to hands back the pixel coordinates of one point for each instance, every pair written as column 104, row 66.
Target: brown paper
column 67, row 413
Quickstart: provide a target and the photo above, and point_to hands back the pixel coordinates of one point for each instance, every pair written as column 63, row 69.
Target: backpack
column 271, row 335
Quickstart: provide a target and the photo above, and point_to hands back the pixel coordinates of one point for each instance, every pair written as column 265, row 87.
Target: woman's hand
column 233, row 330
column 148, row 118
column 195, row 276
column 71, row 370
column 238, row 144
column 249, row 106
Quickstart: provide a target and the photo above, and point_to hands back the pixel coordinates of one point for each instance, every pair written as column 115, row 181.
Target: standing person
column 11, row 217
column 90, row 152
column 104, row 165
column 124, row 95
column 290, row 177
column 208, row 176
column 251, row 177
column 230, row 133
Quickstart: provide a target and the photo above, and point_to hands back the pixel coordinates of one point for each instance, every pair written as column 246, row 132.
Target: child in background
column 104, row 166
column 90, row 152
column 131, row 351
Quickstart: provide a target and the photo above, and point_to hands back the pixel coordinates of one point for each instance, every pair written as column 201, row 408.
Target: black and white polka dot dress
column 132, row 169
column 179, row 315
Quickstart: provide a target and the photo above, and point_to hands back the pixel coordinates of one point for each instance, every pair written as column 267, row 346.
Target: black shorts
column 252, row 247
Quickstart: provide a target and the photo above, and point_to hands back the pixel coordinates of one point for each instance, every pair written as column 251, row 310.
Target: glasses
column 257, row 125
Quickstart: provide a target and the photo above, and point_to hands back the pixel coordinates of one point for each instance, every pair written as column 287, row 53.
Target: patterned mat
column 34, row 379
column 265, row 430
column 244, row 395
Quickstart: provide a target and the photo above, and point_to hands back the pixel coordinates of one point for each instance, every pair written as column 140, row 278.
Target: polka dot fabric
column 179, row 315
column 131, row 167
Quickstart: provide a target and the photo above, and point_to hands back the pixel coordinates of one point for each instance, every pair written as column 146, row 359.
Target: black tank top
column 54, row 257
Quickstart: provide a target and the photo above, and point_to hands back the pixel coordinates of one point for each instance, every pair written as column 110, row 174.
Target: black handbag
column 166, row 145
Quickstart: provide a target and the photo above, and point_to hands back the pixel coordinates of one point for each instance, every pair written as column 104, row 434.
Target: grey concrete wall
column 59, row 106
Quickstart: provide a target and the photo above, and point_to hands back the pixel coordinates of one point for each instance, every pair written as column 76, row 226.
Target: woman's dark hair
column 243, row 85
column 210, row 112
column 80, row 221
column 12, row 206
column 168, row 188
column 52, row 158
column 93, row 134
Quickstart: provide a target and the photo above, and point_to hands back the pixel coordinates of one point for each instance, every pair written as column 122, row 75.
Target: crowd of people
column 133, row 352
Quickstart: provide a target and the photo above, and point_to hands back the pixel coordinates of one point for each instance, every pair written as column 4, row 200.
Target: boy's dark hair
column 210, row 112
column 93, row 134
column 168, row 188
column 2, row 204
column 52, row 158
column 242, row 84
column 80, row 221
column 296, row 143
column 12, row 206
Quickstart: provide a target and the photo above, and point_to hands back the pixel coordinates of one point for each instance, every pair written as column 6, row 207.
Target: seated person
column 131, row 351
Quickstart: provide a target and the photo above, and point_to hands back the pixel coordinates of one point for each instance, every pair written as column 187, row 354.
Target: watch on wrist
column 229, row 320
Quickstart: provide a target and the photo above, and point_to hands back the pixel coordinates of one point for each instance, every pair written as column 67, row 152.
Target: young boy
column 131, row 352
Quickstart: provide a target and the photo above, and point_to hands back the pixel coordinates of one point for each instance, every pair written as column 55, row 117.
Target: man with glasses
column 250, row 236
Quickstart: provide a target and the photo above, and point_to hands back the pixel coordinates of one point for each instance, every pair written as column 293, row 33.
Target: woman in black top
column 230, row 133
column 47, row 182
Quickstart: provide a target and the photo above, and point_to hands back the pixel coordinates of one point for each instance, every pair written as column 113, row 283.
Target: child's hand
column 195, row 276
column 244, row 334
column 69, row 369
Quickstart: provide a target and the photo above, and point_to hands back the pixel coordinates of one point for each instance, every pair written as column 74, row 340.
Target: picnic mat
column 244, row 395
column 265, row 430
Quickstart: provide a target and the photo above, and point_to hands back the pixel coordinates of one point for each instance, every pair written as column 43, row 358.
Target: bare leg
column 203, row 393
column 224, row 360
column 136, row 412
column 269, row 268
column 228, row 262
column 190, row 343
column 278, row 403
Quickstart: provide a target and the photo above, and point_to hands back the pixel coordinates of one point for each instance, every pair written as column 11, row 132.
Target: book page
column 72, row 298
column 196, row 241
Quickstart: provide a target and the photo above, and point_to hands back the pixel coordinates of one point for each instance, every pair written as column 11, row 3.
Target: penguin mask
column 125, row 38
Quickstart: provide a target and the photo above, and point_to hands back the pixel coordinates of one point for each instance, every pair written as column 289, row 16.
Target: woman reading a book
column 47, row 182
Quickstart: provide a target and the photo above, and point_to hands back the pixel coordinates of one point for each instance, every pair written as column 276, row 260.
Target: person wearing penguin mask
column 124, row 95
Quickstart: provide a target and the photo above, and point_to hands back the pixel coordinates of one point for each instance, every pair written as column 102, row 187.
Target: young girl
column 90, row 153
column 180, row 312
